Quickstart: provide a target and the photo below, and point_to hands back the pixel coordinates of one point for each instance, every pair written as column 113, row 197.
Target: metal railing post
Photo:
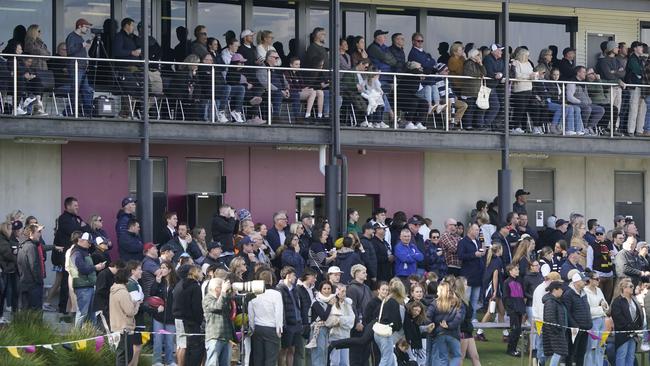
column 268, row 94
column 447, row 107
column 76, row 88
column 395, row 101
column 15, row 86
column 213, row 103
column 612, row 123
column 564, row 111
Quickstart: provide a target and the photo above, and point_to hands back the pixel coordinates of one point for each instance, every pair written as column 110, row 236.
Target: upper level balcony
column 200, row 102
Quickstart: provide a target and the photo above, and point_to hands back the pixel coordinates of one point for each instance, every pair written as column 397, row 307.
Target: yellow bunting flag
column 80, row 345
column 14, row 352
column 538, row 326
column 145, row 337
column 603, row 338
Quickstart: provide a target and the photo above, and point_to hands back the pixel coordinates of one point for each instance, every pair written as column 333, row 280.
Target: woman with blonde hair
column 446, row 313
column 525, row 247
column 455, row 65
column 34, row 45
column 467, row 343
column 340, row 322
column 578, row 241
column 522, row 90
column 199, row 235
column 265, row 45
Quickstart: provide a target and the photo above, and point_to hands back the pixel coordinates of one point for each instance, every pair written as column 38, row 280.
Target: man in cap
column 214, row 257
column 360, row 294
column 150, row 267
column 31, row 269
column 561, row 228
column 334, row 275
column 521, row 197
column 414, row 224
column 369, row 255
column 84, row 275
column 611, row 69
column 599, row 258
column 383, row 251
column 571, row 263
column 129, row 243
column 247, row 252
column 77, row 46
column 101, row 253
column 495, row 67
column 567, row 64
column 579, row 314
column 126, row 213
column 383, row 59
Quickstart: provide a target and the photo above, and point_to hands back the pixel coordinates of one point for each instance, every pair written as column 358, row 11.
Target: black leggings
column 358, row 344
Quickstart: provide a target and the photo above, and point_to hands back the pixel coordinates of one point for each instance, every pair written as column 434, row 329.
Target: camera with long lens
column 249, row 287
column 97, row 31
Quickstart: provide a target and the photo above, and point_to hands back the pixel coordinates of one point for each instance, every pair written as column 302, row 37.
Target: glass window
column 204, row 176
column 29, row 12
column 645, row 34
column 280, row 21
column 354, row 24
column 394, row 23
column 537, row 36
column 95, row 12
column 159, row 175
column 219, row 18
column 173, row 16
column 320, row 18
column 451, row 29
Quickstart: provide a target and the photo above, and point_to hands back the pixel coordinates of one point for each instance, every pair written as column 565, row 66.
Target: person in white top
column 265, row 44
column 598, row 307
column 538, row 307
column 265, row 319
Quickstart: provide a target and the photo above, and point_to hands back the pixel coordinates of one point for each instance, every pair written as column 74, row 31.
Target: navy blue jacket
column 292, row 311
column 293, row 259
column 130, row 247
column 383, row 59
column 400, row 57
column 345, row 259
column 453, row 319
column 492, row 66
column 123, row 45
column 121, row 224
column 273, row 237
column 566, row 268
column 473, row 266
column 424, row 58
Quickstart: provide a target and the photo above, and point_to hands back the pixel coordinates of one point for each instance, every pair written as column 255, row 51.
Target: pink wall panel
column 261, row 179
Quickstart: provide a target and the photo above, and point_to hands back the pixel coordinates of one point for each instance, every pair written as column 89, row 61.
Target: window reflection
column 281, row 21
column 520, row 33
column 320, row 18
column 451, row 29
column 173, row 16
column 28, row 13
column 95, row 12
column 220, row 18
column 394, row 23
column 355, row 24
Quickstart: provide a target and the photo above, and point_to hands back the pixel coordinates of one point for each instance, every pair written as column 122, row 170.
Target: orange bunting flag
column 14, row 352
column 145, row 337
column 80, row 345
column 603, row 338
column 538, row 326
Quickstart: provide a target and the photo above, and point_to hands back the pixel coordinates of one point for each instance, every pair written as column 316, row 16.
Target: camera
column 255, row 287
column 97, row 31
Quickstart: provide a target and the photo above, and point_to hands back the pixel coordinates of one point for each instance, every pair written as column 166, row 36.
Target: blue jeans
column 574, row 119
column 319, row 353
column 168, row 340
column 646, row 125
column 495, row 106
column 592, row 114
column 425, row 93
column 595, row 353
column 555, row 360
column 625, row 353
column 217, row 350
column 340, row 357
column 386, row 346
column 474, row 293
column 84, row 299
column 539, row 346
column 237, row 93
column 557, row 112
column 221, row 95
column 445, row 350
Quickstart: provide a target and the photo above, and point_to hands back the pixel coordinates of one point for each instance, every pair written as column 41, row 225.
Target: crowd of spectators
column 327, row 297
column 366, row 100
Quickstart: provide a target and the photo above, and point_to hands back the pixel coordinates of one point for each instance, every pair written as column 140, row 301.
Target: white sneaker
column 237, row 117
column 311, row 344
column 519, row 130
column 221, row 117
column 537, row 131
column 645, row 347
column 420, row 126
column 20, row 111
column 571, row 133
column 28, row 101
column 410, row 126
column 365, row 124
column 158, row 364
column 581, row 133
column 382, row 125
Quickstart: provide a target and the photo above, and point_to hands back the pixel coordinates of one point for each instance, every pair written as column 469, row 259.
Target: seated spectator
column 357, row 50
column 375, row 98
column 473, row 67
column 578, row 96
column 229, row 51
column 186, row 88
column 345, row 61
column 278, row 84
column 299, row 91
column 411, row 98
column 234, row 77
column 351, row 88
column 455, row 106
column 30, row 85
column 456, row 65
column 553, row 96
column 34, row 45
column 59, row 67
column 265, row 44
column 200, row 43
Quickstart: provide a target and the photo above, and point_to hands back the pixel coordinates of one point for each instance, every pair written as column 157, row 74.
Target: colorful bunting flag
column 30, row 349
column 538, row 326
column 48, row 346
column 574, row 334
column 99, row 343
column 14, row 352
column 603, row 338
column 67, row 346
column 81, row 345
column 145, row 337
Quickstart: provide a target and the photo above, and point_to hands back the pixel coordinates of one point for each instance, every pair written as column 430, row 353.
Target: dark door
column 629, row 187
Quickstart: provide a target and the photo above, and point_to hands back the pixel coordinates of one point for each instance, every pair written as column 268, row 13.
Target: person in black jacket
column 187, row 307
column 169, row 232
column 163, row 287
column 555, row 338
column 567, row 64
column 579, row 316
column 292, row 329
column 626, row 320
column 67, row 223
column 31, row 270
column 280, row 230
column 391, row 314
column 369, row 255
column 515, row 304
column 224, row 227
column 105, row 279
column 129, row 244
column 183, row 243
column 383, row 253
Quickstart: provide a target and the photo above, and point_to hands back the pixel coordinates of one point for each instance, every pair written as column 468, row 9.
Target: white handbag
column 382, row 330
column 483, row 97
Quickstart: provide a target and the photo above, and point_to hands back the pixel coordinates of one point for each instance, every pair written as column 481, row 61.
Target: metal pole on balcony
column 145, row 166
column 564, row 109
column 213, row 105
column 15, row 86
column 612, row 123
column 333, row 170
column 504, row 175
column 268, row 94
column 395, row 101
column 76, row 88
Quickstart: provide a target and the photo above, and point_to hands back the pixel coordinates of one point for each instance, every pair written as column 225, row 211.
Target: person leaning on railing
column 600, row 96
column 522, row 90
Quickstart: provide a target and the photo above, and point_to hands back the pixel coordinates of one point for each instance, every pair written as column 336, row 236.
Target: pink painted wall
column 261, row 179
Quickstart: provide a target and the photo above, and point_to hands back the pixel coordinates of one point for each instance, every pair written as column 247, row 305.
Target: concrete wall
column 31, row 182
column 454, row 182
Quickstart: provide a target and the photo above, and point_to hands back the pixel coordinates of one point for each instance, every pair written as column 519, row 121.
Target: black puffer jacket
column 623, row 320
column 554, row 338
column 578, row 310
column 8, row 252
column 166, row 293
column 188, row 301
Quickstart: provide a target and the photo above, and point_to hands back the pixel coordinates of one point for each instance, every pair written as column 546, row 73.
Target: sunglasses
column 435, row 237
column 600, row 234
column 418, row 41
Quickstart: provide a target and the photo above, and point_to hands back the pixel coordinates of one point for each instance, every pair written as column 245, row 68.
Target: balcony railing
column 55, row 87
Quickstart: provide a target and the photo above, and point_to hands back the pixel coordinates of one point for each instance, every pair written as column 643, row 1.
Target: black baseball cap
column 521, row 192
column 379, row 32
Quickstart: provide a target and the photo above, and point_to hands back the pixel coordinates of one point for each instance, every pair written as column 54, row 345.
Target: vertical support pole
column 268, row 94
column 395, row 101
column 504, row 175
column 332, row 170
column 15, row 86
column 612, row 123
column 447, row 108
column 145, row 166
column 76, row 88
column 564, row 109
column 213, row 104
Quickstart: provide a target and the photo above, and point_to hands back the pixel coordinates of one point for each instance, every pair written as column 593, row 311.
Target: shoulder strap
column 381, row 310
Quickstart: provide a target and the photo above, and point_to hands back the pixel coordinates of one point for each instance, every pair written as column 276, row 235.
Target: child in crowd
column 513, row 299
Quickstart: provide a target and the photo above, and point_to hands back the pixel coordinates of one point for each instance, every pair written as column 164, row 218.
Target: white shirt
column 538, row 305
column 594, row 299
column 283, row 236
column 424, row 231
column 266, row 310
